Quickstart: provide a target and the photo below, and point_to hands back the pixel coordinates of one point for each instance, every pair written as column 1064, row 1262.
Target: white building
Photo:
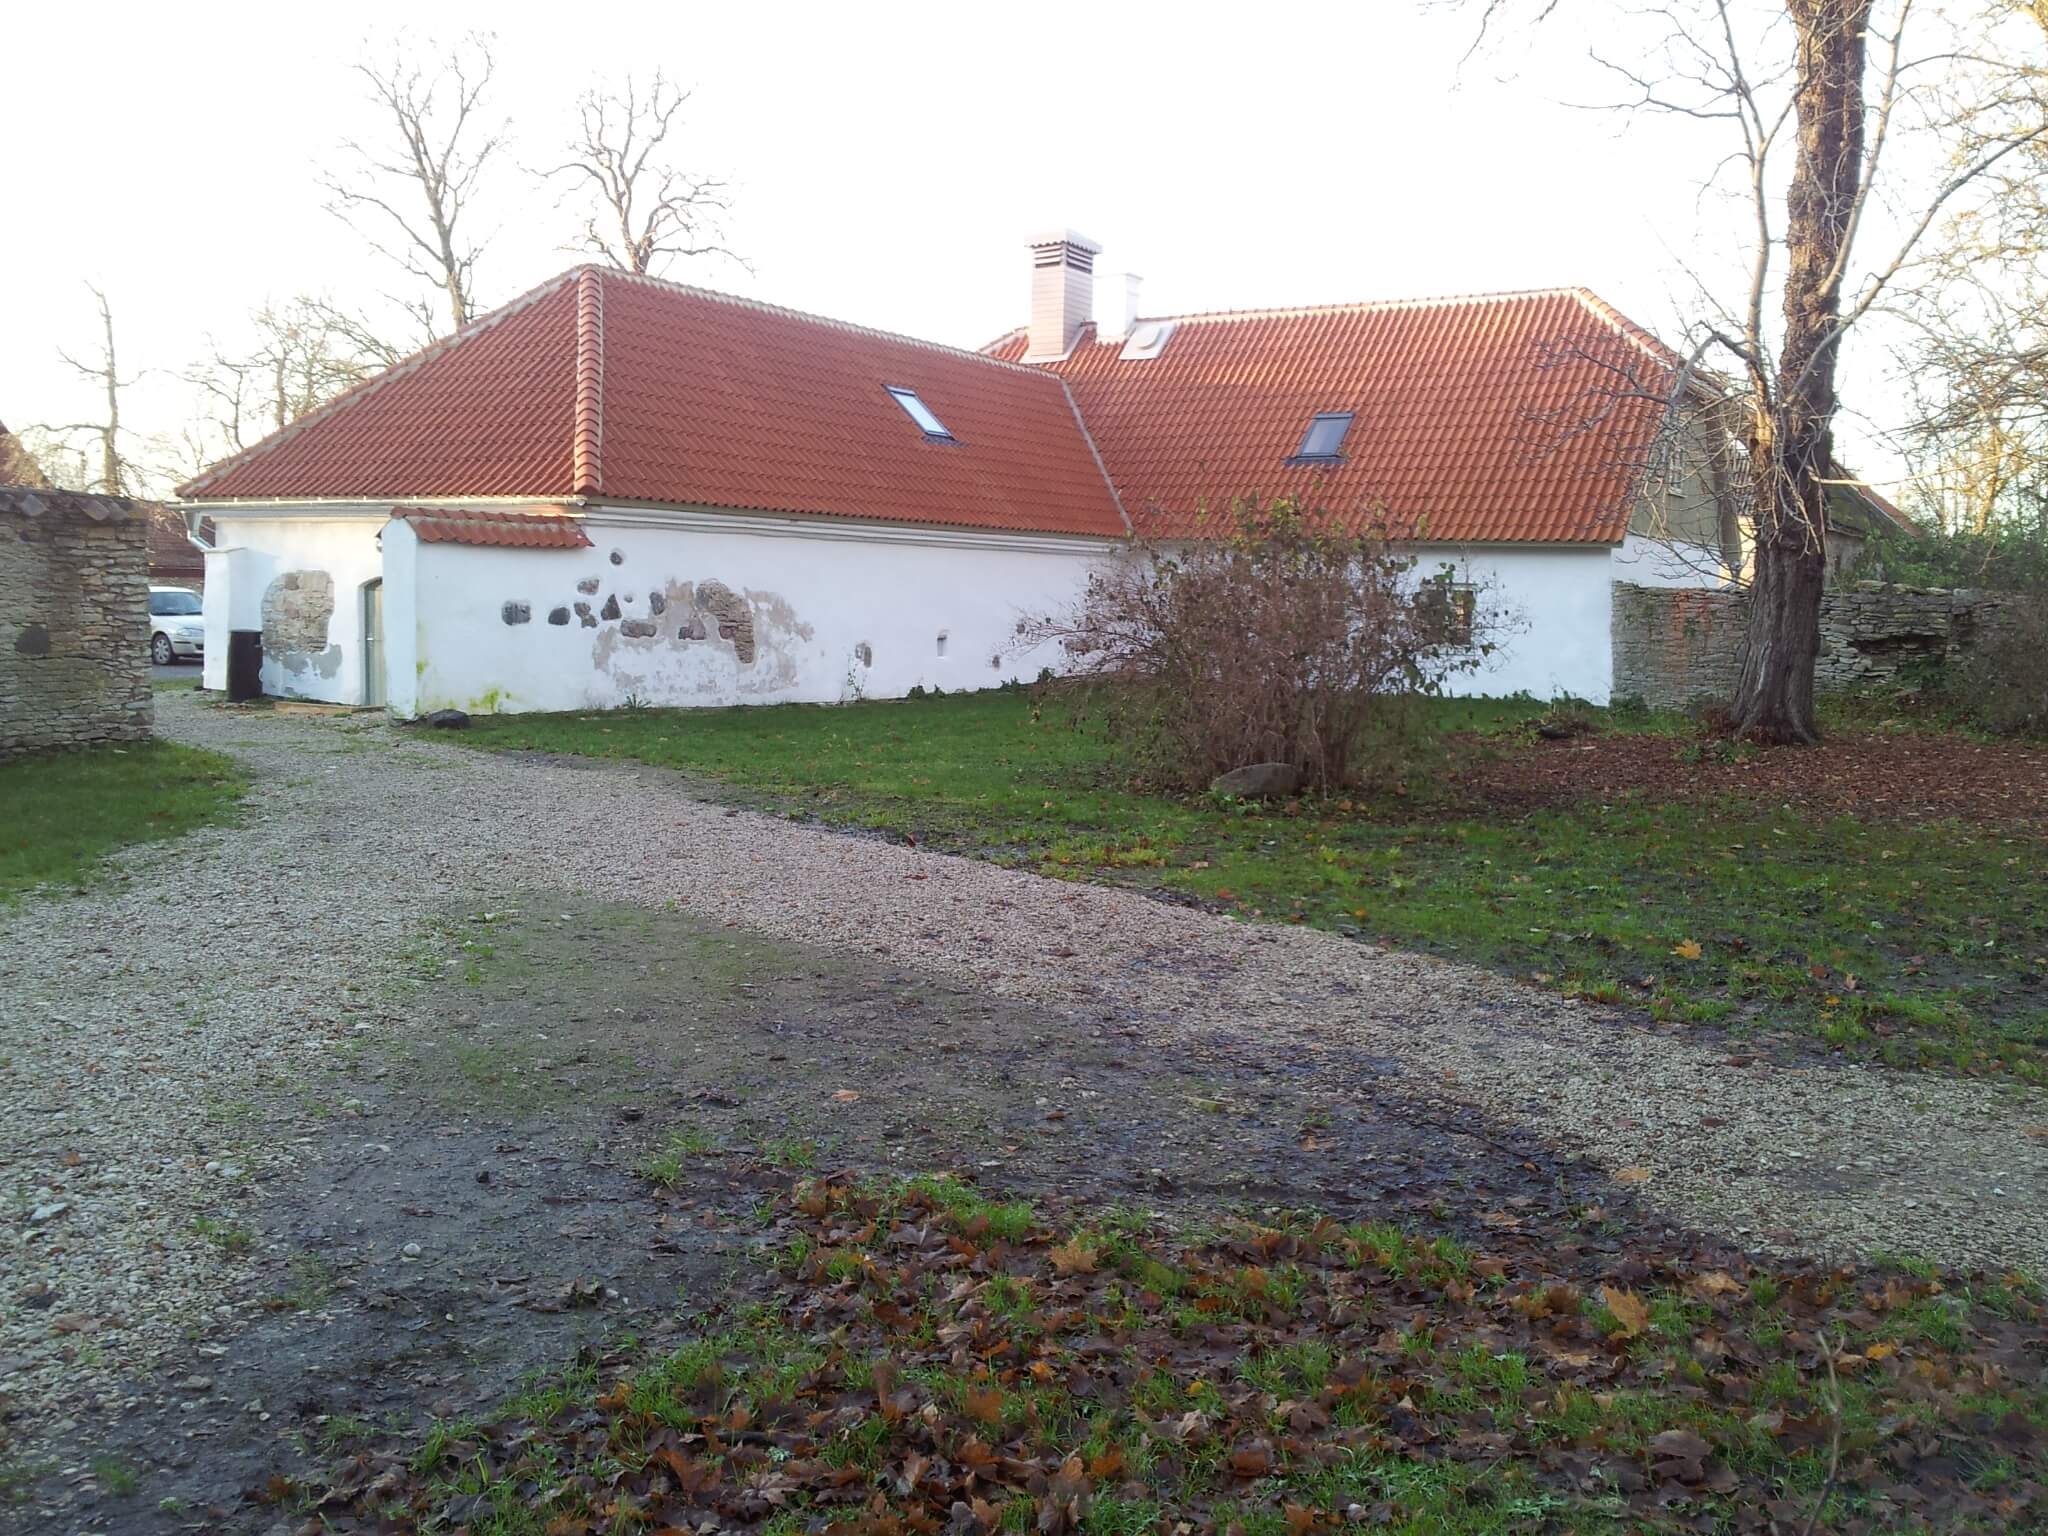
column 616, row 488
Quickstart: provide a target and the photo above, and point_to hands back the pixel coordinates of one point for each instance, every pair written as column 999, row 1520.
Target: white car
column 176, row 630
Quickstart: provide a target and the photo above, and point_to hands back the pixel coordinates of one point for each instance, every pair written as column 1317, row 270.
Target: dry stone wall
column 74, row 621
column 1674, row 646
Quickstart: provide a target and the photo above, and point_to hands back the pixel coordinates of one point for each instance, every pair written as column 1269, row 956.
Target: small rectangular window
column 1446, row 612
column 1323, row 442
column 920, row 413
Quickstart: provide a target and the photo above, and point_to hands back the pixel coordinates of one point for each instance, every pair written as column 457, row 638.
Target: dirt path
column 426, row 996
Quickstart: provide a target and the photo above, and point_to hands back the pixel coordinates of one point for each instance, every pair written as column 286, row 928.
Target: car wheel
column 160, row 650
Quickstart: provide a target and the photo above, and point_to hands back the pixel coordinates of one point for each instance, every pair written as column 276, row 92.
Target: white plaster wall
column 215, row 600
column 816, row 594
column 401, row 620
column 1654, row 562
column 1550, row 608
column 256, row 551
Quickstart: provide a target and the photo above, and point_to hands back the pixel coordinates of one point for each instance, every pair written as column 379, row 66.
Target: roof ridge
column 786, row 312
column 587, row 440
column 1590, row 301
column 356, row 393
column 1364, row 306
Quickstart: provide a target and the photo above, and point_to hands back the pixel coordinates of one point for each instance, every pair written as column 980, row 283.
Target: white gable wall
column 298, row 578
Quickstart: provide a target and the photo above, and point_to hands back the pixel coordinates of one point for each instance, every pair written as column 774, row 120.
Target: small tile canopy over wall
column 74, row 620
column 1674, row 646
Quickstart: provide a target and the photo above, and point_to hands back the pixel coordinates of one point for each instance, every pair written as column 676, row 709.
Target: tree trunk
column 112, row 481
column 1792, row 442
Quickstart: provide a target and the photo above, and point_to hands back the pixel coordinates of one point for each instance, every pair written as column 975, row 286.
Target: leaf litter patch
column 934, row 1359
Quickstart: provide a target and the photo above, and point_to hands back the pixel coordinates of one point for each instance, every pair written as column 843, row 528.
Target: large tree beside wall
column 1791, row 419
column 1812, row 94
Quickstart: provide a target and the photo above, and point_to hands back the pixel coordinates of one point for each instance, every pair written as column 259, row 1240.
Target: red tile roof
column 613, row 386
column 173, row 558
column 494, row 530
column 1481, row 419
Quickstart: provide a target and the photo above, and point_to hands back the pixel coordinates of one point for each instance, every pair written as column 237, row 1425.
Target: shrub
column 2001, row 683
column 2009, row 559
column 1280, row 641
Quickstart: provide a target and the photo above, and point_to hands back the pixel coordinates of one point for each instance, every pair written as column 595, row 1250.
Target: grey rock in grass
column 448, row 720
column 1258, row 781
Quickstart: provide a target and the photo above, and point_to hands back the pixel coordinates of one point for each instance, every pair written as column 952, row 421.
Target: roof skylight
column 1323, row 442
column 920, row 413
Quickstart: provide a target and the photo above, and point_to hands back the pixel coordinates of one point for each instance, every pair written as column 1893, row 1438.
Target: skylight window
column 921, row 413
column 1323, row 442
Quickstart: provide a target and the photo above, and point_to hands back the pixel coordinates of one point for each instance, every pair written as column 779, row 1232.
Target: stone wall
column 1674, row 646
column 74, row 620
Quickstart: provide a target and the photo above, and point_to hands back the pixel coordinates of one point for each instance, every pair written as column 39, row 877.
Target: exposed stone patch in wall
column 74, row 625
column 517, row 613
column 1676, row 645
column 734, row 616
column 558, row 615
column 297, row 608
column 761, row 627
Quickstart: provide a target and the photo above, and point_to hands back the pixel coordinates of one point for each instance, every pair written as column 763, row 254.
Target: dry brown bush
column 2002, row 684
column 1274, row 643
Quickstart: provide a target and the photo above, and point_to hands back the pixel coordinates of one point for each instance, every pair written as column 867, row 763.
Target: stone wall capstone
column 74, row 620
column 1675, row 646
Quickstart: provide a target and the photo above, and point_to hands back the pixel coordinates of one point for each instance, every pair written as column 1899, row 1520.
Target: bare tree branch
column 645, row 211
column 117, row 475
column 432, row 164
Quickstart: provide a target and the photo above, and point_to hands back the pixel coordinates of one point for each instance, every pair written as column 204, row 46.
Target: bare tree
column 298, row 359
column 1826, row 107
column 644, row 211
column 1979, row 363
column 410, row 194
column 105, row 467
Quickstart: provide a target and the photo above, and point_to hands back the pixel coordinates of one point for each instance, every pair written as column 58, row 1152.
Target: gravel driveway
column 165, row 1041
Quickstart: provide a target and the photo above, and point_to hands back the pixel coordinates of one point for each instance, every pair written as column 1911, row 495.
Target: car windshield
column 175, row 604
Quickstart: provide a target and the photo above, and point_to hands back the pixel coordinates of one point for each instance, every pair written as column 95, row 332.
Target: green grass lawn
column 61, row 813
column 1922, row 945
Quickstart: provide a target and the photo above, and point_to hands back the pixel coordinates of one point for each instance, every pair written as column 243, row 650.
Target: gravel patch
column 159, row 1035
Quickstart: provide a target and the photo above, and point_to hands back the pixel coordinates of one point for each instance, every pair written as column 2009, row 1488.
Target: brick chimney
column 1062, row 292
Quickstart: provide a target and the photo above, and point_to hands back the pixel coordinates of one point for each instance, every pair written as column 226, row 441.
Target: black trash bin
column 245, row 665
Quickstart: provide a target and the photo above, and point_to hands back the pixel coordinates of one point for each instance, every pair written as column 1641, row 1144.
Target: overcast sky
column 889, row 163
